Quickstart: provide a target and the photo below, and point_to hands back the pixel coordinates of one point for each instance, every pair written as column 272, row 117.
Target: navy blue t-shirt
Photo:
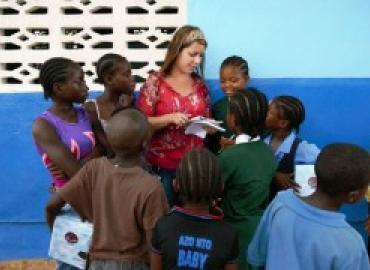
column 193, row 240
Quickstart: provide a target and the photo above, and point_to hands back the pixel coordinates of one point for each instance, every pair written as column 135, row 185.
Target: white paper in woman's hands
column 196, row 125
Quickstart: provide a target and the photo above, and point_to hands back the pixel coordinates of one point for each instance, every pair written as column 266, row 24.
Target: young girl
column 190, row 237
column 234, row 76
column 63, row 133
column 170, row 97
column 114, row 72
column 248, row 167
column 284, row 117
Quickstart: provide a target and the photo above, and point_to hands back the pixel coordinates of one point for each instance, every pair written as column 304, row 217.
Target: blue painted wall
column 335, row 112
column 287, row 38
column 311, row 49
column 23, row 179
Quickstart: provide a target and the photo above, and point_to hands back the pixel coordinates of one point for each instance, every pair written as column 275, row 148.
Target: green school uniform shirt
column 248, row 169
column 220, row 113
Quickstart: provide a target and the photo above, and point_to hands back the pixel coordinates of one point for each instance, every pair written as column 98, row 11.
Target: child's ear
column 355, row 196
column 108, row 79
column 175, row 185
column 147, row 139
column 57, row 89
column 145, row 144
column 284, row 124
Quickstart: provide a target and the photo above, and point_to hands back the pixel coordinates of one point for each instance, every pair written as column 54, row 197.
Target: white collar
column 244, row 138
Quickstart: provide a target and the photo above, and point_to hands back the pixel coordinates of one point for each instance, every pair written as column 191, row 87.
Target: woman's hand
column 209, row 130
column 160, row 122
column 179, row 119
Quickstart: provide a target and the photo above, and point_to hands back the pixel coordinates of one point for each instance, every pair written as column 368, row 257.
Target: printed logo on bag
column 71, row 237
column 312, row 182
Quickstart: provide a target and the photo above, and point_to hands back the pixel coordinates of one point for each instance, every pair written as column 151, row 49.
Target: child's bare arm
column 46, row 137
column 102, row 145
column 285, row 181
column 97, row 151
column 149, row 235
column 53, row 207
column 155, row 261
column 232, row 266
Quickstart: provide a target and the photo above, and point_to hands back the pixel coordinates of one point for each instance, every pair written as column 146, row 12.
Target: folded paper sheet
column 196, row 126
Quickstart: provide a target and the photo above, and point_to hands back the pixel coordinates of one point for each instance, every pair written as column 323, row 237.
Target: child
column 63, row 134
column 121, row 199
column 248, row 166
column 284, row 117
column 234, row 76
column 114, row 72
column 309, row 233
column 190, row 237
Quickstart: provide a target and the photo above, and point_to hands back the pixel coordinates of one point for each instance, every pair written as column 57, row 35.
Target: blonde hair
column 183, row 38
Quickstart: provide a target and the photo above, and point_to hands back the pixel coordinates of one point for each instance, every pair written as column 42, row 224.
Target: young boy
column 121, row 199
column 309, row 233
column 190, row 237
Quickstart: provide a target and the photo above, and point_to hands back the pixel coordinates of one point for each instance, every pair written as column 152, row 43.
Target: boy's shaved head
column 127, row 131
column 342, row 168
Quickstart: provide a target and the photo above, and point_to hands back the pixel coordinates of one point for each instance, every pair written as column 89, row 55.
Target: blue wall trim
column 337, row 110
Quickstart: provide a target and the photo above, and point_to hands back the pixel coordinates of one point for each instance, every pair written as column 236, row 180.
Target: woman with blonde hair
column 172, row 96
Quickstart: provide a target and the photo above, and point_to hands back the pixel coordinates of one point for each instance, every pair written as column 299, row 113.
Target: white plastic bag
column 70, row 240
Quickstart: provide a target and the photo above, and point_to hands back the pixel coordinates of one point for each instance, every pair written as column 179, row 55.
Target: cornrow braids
column 291, row 109
column 54, row 70
column 199, row 176
column 238, row 62
column 106, row 65
column 249, row 107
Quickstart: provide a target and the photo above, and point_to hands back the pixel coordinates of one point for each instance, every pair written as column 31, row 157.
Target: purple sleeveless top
column 78, row 137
